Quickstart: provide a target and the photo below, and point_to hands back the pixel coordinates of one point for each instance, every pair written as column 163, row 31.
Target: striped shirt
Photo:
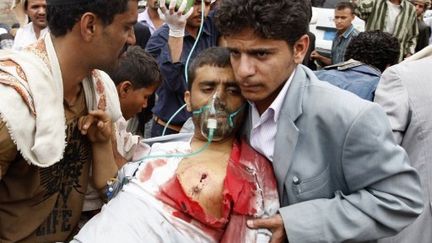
column 374, row 13
column 340, row 43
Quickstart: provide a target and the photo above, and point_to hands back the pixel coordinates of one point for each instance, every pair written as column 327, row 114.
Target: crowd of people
column 214, row 121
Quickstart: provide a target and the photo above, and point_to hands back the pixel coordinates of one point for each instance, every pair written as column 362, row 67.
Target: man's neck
column 37, row 30
column 224, row 145
column 155, row 18
column 72, row 66
column 193, row 31
column 341, row 32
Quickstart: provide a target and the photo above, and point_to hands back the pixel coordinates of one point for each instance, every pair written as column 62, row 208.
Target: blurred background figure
column 31, row 32
column 368, row 55
column 424, row 30
column 397, row 17
column 343, row 18
column 150, row 16
column 6, row 39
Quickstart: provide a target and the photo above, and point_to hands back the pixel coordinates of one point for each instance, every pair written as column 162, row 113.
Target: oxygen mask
column 215, row 116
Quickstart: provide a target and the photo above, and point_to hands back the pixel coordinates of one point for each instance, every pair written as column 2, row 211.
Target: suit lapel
column 287, row 131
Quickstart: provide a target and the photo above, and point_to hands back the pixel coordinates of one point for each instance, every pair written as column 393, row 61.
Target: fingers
column 84, row 123
column 274, row 224
column 162, row 13
column 101, row 118
column 100, row 115
column 189, row 13
column 268, row 223
column 182, row 7
column 172, row 6
column 162, row 5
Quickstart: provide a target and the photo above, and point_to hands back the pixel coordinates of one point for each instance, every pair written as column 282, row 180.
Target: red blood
column 147, row 172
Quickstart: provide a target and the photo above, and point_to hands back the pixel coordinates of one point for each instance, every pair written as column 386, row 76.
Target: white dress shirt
column 145, row 19
column 264, row 127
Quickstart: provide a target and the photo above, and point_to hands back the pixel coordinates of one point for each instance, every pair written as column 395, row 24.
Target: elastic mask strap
column 200, row 110
column 232, row 116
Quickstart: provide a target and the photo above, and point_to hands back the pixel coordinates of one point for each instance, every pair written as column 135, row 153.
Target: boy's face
column 132, row 101
column 219, row 82
column 261, row 66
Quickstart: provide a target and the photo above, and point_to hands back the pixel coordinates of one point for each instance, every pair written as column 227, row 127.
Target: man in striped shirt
column 397, row 17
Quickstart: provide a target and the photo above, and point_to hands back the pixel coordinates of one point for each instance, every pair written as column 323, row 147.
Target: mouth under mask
column 215, row 111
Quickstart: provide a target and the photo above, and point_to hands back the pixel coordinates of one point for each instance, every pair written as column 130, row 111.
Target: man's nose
column 42, row 10
column 131, row 37
column 144, row 105
column 246, row 67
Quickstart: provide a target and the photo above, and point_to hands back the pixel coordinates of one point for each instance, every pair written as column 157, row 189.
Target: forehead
column 343, row 11
column 248, row 41
column 146, row 91
column 216, row 75
column 36, row 2
column 420, row 3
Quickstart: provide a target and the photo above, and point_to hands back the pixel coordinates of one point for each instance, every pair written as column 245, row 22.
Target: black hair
column 375, row 48
column 344, row 5
column 213, row 56
column 276, row 19
column 62, row 18
column 137, row 67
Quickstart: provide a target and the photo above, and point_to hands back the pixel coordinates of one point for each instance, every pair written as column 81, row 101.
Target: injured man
column 200, row 190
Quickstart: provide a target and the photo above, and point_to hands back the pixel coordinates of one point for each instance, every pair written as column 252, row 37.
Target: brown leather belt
column 173, row 127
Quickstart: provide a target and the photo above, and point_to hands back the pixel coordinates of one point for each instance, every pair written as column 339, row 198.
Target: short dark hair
column 375, row 48
column 344, row 5
column 277, row 19
column 213, row 56
column 138, row 67
column 62, row 18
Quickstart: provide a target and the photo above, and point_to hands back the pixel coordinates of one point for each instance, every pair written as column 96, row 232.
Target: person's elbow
column 411, row 204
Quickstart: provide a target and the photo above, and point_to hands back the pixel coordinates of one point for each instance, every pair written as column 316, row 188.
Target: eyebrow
column 253, row 51
column 213, row 82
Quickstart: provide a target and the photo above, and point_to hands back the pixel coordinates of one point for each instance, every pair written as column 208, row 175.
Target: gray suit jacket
column 341, row 176
column 405, row 93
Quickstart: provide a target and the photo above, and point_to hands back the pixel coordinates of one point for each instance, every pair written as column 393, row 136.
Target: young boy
column 136, row 78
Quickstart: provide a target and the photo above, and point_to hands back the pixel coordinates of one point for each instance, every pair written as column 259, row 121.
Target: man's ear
column 300, row 48
column 88, row 25
column 124, row 88
column 187, row 101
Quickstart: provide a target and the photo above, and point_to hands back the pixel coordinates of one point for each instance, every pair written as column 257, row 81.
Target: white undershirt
column 393, row 11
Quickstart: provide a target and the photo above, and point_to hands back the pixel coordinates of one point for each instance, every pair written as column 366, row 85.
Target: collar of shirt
column 144, row 17
column 274, row 109
column 348, row 32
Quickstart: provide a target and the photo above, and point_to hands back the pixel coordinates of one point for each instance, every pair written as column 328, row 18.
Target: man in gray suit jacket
column 341, row 176
column 405, row 93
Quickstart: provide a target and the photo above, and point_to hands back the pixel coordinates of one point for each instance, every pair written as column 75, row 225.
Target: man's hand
column 274, row 224
column 315, row 55
column 96, row 125
column 175, row 20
